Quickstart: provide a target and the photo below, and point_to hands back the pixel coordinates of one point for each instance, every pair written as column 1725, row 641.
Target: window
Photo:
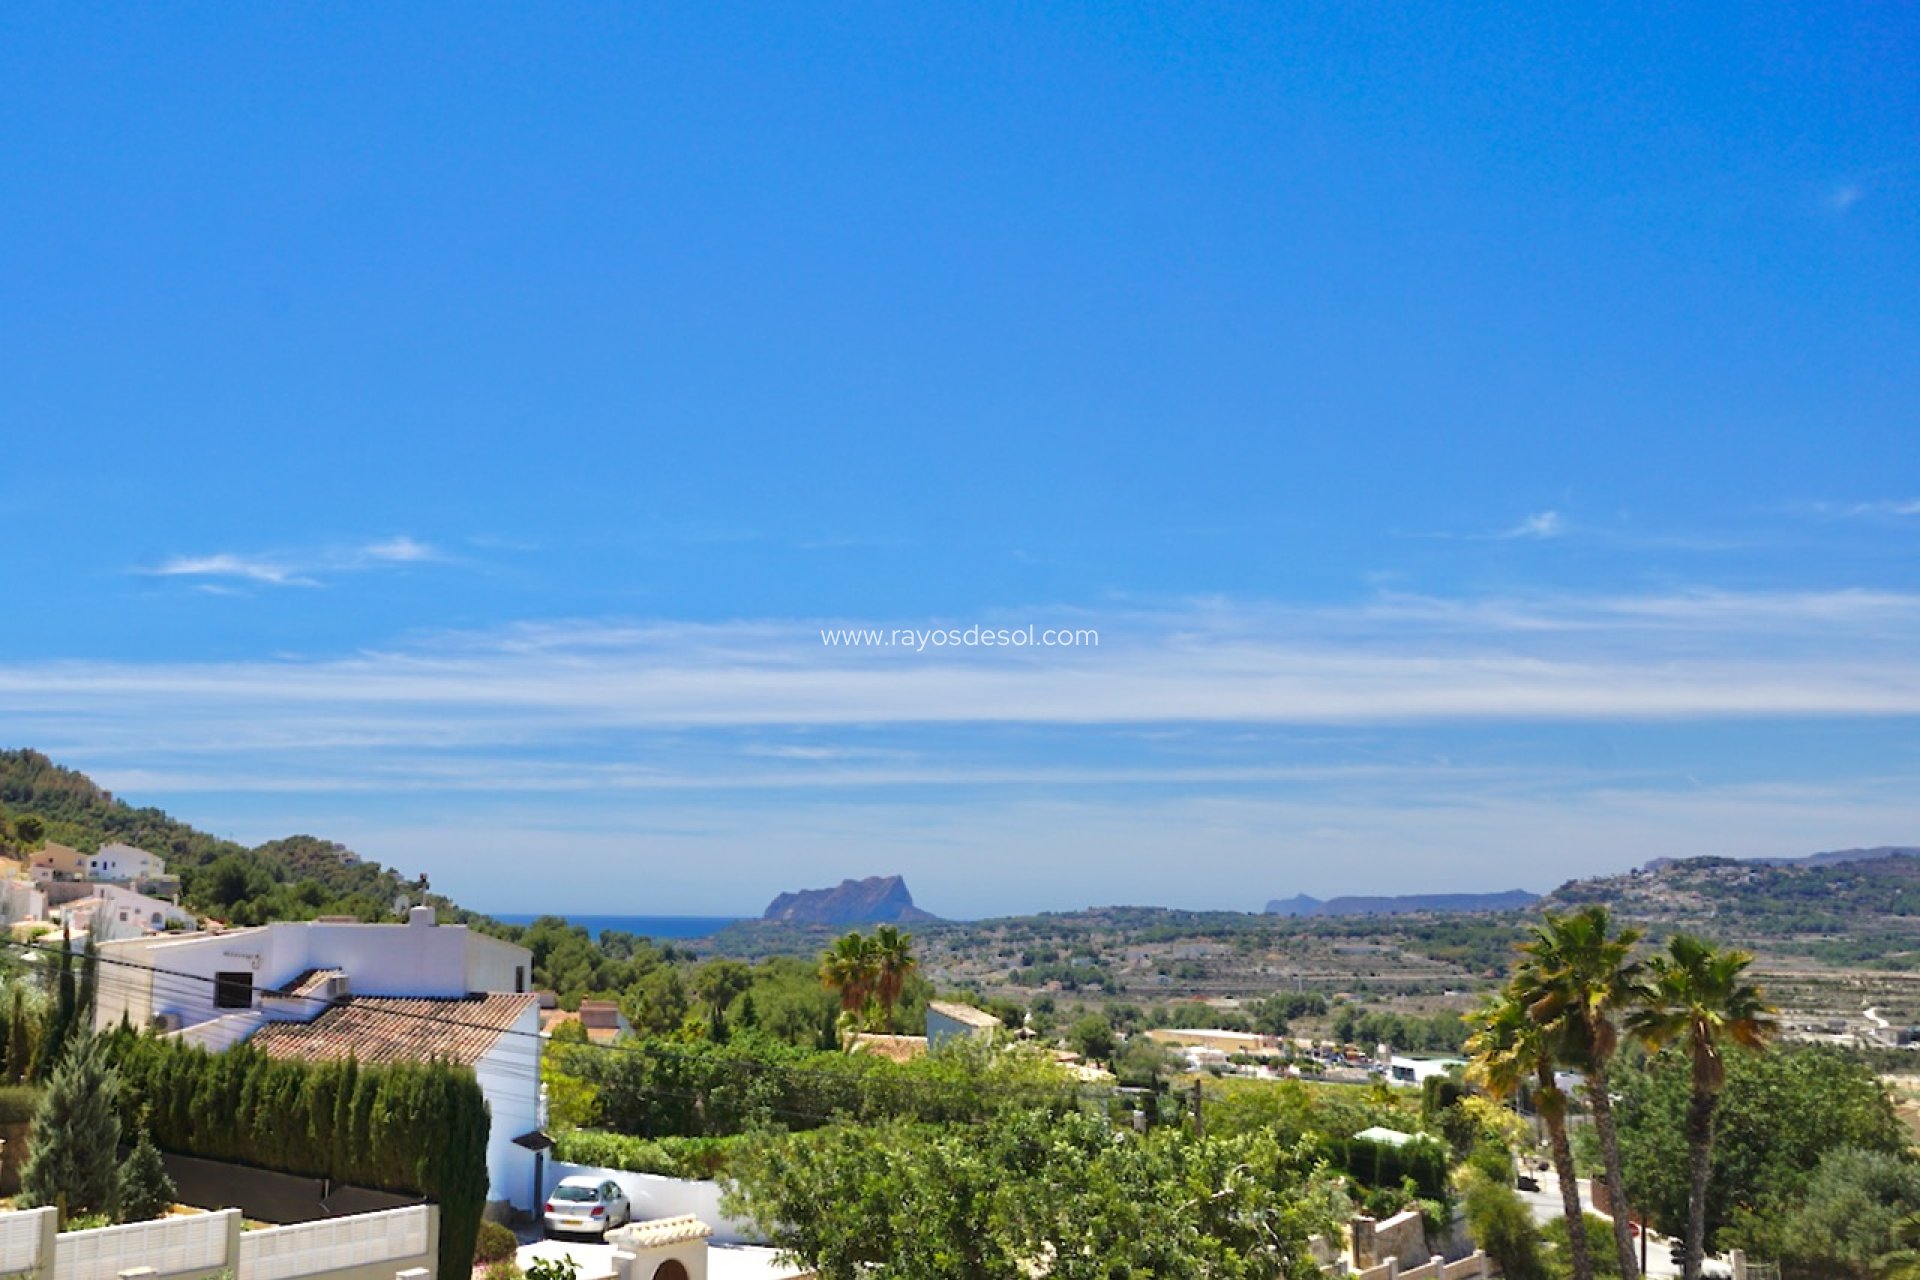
column 519, row 979
column 233, row 990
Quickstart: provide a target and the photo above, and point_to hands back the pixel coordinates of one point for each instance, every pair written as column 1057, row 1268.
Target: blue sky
column 1485, row 442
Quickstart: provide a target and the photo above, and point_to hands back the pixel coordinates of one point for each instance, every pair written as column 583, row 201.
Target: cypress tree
column 89, row 984
column 53, row 1039
column 76, row 1135
column 19, row 1039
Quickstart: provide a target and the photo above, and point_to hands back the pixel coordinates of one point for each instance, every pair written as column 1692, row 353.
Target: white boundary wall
column 195, row 1246
column 367, row 1246
column 392, row 1240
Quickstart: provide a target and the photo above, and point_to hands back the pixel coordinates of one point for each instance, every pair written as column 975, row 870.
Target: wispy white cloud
column 261, row 569
column 294, row 569
column 396, row 550
column 1223, row 725
column 1541, row 524
column 1844, row 196
column 1879, row 509
column 1392, row 659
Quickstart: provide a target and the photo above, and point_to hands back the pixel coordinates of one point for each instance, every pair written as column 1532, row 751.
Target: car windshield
column 575, row 1193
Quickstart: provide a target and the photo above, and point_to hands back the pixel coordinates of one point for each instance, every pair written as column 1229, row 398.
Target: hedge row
column 418, row 1128
column 671, row 1157
column 1380, row 1164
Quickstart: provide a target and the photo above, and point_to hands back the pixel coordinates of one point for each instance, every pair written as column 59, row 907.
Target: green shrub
column 1600, row 1247
column 1423, row 1162
column 502, row 1269
column 701, row 1158
column 146, row 1190
column 17, row 1103
column 494, row 1244
column 1500, row 1222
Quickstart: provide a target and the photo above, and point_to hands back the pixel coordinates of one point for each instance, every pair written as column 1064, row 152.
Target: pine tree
column 76, row 1135
column 146, row 1191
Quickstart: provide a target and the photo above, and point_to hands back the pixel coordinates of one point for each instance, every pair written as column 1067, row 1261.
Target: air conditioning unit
column 165, row 1022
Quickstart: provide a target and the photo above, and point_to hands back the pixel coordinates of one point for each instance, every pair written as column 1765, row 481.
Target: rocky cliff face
column 875, row 900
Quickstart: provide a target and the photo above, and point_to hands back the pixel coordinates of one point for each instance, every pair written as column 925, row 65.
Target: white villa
column 115, row 912
column 330, row 988
column 949, row 1021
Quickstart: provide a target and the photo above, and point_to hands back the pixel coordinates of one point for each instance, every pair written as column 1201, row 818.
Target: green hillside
column 295, row 878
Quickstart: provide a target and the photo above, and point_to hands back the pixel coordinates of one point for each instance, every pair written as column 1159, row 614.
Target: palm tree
column 893, row 964
column 1508, row 1051
column 1904, row 1262
column 1701, row 995
column 852, row 967
column 1580, row 975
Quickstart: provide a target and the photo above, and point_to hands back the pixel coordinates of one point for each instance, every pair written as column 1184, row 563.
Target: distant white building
column 1408, row 1069
column 948, row 1021
column 124, row 863
column 115, row 912
column 21, row 897
column 319, row 989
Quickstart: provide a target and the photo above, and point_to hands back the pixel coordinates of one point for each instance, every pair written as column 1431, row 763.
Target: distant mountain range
column 1402, row 904
column 1876, row 854
column 875, row 900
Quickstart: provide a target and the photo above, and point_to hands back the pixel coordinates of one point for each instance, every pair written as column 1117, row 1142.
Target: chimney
column 420, row 917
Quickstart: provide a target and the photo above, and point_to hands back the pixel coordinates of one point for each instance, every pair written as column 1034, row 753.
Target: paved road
column 1545, row 1205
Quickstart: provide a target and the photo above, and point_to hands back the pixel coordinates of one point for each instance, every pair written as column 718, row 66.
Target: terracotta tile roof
column 383, row 1029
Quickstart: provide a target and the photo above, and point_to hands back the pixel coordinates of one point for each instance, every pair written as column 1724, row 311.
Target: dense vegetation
column 1069, row 1192
column 297, row 878
column 1789, row 1122
column 417, row 1128
column 699, row 1089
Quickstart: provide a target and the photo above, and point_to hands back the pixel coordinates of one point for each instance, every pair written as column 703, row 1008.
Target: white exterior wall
column 941, row 1028
column 494, row 964
column 1416, row 1070
column 509, row 1075
column 117, row 913
column 657, row 1196
column 413, row 959
column 21, row 900
column 123, row 862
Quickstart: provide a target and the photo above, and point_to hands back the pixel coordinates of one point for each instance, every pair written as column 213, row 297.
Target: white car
column 586, row 1205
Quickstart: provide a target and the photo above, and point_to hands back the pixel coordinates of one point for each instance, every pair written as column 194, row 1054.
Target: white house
column 327, row 988
column 190, row 979
column 21, row 899
column 123, row 862
column 1411, row 1069
column 115, row 912
column 496, row 1033
column 948, row 1021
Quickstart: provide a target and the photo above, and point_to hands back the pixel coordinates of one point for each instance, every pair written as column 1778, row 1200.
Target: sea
column 645, row 926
